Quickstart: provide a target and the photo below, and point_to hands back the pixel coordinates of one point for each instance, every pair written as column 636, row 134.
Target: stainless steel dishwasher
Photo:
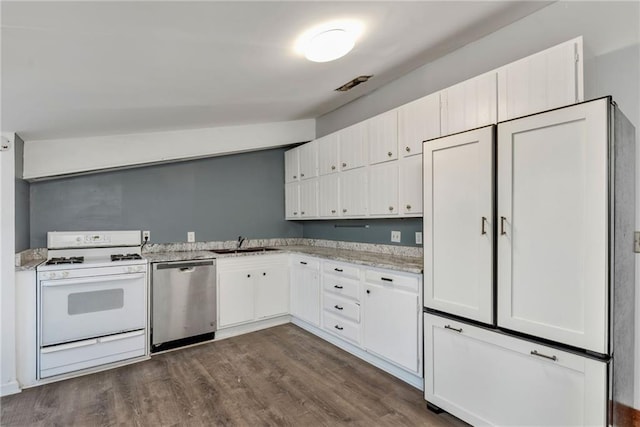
column 183, row 303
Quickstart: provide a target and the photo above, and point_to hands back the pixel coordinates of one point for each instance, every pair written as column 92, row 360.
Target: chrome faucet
column 240, row 241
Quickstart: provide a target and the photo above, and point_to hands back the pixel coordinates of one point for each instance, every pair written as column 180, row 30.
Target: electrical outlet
column 418, row 237
column 191, row 236
column 395, row 236
column 146, row 236
column 636, row 242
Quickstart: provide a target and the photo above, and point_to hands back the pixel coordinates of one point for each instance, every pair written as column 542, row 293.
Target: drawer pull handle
column 337, row 307
column 338, row 327
column 337, row 286
column 339, row 270
column 386, row 279
column 453, row 329
column 303, row 262
column 535, row 353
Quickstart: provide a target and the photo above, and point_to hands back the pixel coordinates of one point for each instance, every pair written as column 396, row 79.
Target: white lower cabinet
column 305, row 289
column 488, row 378
column 252, row 288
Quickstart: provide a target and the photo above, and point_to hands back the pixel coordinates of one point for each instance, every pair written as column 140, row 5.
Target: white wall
column 8, row 382
column 47, row 158
column 611, row 32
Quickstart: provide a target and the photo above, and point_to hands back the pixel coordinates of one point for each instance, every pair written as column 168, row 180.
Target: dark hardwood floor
column 278, row 376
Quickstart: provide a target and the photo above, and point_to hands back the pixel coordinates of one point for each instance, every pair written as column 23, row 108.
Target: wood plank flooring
column 278, row 376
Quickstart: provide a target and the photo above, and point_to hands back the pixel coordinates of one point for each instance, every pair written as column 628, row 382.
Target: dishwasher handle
column 183, row 266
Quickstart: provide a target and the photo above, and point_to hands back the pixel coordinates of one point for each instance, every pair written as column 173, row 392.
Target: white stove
column 92, row 301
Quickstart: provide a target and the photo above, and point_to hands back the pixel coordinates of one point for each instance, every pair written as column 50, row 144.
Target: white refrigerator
column 529, row 269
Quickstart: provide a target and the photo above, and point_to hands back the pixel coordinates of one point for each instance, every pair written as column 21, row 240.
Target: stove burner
column 65, row 260
column 121, row 257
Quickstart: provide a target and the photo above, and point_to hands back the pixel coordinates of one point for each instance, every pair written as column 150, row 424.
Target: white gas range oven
column 92, row 301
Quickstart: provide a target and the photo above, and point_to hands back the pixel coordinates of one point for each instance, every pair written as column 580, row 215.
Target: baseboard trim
column 9, row 388
column 245, row 328
column 414, row 380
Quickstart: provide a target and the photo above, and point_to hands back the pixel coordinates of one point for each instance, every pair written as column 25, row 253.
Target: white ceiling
column 73, row 69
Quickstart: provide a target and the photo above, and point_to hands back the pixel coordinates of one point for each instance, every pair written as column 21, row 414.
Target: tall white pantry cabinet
column 529, row 268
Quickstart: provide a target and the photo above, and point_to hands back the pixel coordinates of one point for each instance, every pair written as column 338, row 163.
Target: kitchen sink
column 242, row 250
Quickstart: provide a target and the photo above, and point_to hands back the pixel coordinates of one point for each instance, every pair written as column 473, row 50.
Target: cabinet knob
column 295, row 213
column 333, row 211
column 408, row 207
column 302, row 213
column 408, row 149
column 389, row 154
column 264, row 274
column 302, row 175
column 295, row 176
column 333, row 167
column 390, row 208
column 344, row 210
column 248, row 275
column 344, row 165
column 368, row 291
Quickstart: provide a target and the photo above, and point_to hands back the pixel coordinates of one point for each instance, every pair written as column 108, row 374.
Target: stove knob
column 65, row 274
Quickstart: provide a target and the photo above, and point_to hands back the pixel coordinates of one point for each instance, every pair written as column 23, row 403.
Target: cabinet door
column 418, row 121
column 353, row 193
column 329, row 199
column 549, row 79
column 292, row 200
column 328, row 159
column 309, row 198
column 553, row 240
column 488, row 378
column 271, row 291
column 383, row 137
column 235, row 297
column 390, row 322
column 309, row 160
column 383, row 190
column 411, row 186
column 470, row 104
column 353, row 144
column 305, row 294
column 292, row 165
column 458, row 224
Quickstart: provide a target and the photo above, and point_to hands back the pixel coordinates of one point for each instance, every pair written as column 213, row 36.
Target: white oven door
column 79, row 308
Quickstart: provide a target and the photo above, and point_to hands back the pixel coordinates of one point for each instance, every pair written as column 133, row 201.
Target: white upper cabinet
column 549, row 79
column 328, row 153
column 553, row 224
column 292, row 165
column 353, row 146
column 470, row 104
column 383, row 137
column 292, row 200
column 418, row 121
column 329, row 199
column 383, row 190
column 308, row 198
column 411, row 186
column 353, row 193
column 309, row 160
column 458, row 221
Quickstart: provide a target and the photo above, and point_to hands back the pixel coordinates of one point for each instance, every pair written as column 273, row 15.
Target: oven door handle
column 121, row 336
column 92, row 280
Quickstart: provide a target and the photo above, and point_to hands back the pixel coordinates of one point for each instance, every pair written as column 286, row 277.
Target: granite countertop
column 178, row 256
column 30, row 264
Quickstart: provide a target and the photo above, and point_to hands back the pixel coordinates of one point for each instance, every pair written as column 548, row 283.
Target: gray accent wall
column 365, row 230
column 22, row 218
column 219, row 198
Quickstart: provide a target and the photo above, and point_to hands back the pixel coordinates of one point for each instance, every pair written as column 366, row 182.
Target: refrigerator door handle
column 535, row 353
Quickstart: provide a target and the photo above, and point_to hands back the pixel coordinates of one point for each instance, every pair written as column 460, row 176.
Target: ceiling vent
column 353, row 83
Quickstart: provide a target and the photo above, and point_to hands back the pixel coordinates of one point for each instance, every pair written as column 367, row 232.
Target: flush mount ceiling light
column 329, row 41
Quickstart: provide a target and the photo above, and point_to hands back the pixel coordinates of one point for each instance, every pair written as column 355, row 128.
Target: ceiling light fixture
column 329, row 41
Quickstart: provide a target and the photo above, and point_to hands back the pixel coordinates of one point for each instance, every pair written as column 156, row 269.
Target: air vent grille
column 353, row 83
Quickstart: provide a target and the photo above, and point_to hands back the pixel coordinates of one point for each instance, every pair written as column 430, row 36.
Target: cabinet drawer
column 341, row 286
column 341, row 327
column 342, row 270
column 341, row 307
column 410, row 283
column 304, row 262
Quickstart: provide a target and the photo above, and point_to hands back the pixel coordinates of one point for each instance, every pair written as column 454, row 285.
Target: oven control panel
column 92, row 239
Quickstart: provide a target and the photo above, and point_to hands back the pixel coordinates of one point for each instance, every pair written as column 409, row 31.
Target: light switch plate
column 395, row 236
column 146, row 235
column 636, row 242
column 191, row 236
column 418, row 237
